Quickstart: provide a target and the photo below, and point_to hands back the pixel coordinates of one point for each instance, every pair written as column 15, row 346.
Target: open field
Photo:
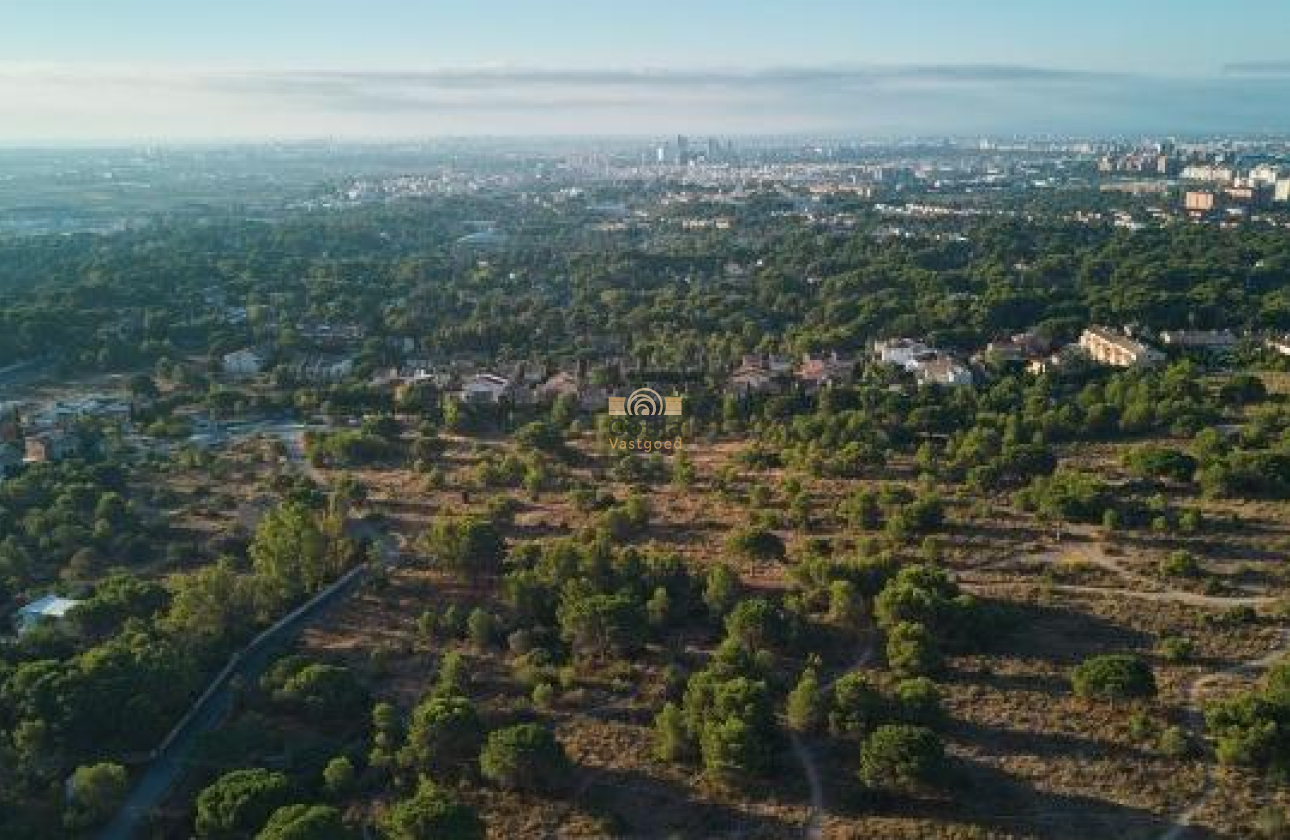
column 1031, row 759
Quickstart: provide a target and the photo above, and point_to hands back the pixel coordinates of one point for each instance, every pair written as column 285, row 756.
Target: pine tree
column 805, row 705
column 671, row 741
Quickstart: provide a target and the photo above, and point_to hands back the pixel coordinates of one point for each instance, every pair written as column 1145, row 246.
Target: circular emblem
column 645, row 402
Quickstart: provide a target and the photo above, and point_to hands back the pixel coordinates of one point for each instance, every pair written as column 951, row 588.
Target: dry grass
column 1033, row 761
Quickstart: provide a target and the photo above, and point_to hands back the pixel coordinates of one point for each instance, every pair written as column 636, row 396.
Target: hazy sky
column 148, row 69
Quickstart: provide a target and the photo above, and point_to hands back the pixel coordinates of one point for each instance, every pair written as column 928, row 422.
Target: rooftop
column 50, row 606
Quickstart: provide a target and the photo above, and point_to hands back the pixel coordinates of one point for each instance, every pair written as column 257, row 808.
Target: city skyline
column 281, row 71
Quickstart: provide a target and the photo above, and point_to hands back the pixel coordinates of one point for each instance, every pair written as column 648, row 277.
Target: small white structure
column 943, row 371
column 48, row 608
column 323, row 369
column 779, row 365
column 749, row 380
column 245, row 362
column 904, row 353
column 485, row 388
column 1199, row 339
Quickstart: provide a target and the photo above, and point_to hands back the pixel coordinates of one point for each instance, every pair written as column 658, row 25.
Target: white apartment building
column 1117, row 349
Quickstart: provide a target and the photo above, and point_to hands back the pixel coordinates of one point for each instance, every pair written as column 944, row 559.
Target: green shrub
column 526, row 756
column 902, row 758
column 1113, row 677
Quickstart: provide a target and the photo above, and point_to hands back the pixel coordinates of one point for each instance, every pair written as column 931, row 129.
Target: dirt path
column 1177, row 596
column 1196, row 722
column 1094, row 553
column 1088, row 550
column 802, row 751
column 812, row 773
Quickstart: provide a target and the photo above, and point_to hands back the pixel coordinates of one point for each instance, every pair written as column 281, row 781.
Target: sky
column 86, row 70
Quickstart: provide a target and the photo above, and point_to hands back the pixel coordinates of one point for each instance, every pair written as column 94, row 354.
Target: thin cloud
column 63, row 101
column 1257, row 68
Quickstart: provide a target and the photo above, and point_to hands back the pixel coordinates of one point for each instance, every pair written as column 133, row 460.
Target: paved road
column 171, row 759
column 21, row 373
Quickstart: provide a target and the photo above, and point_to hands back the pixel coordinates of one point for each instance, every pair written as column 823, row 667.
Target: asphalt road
column 20, row 373
column 171, row 761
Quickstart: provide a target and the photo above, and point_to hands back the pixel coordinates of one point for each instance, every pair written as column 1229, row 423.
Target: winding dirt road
column 1196, row 722
column 802, row 751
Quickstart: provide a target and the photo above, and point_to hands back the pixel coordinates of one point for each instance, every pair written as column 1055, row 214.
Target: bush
column 922, row 594
column 466, row 546
column 598, row 624
column 444, row 737
column 338, row 776
column 543, row 695
column 911, row 650
column 671, row 740
column 1180, row 564
column 1161, row 462
column 1251, row 729
column 720, row 590
column 526, row 756
column 542, row 436
column 1243, row 388
column 239, row 803
column 322, row 692
column 1271, row 823
column 1175, row 648
column 757, row 544
column 1174, row 742
column 918, row 701
column 756, row 623
column 805, row 707
column 1113, row 677
column 902, row 758
column 431, row 815
column 95, row 792
column 857, row 705
column 733, row 750
column 481, row 626
column 731, row 715
column 304, row 822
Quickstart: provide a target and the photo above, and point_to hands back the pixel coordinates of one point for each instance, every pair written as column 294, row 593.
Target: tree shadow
column 1001, row 740
column 996, row 801
column 639, row 805
column 1062, row 635
column 1051, row 684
